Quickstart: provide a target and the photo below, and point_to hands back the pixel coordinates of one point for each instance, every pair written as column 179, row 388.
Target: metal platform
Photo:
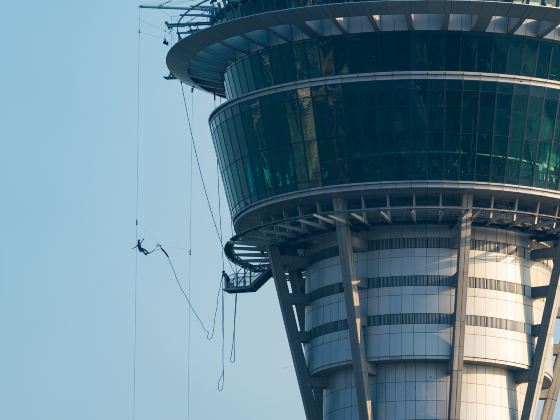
column 249, row 249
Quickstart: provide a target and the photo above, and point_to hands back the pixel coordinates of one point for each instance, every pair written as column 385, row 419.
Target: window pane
column 387, row 130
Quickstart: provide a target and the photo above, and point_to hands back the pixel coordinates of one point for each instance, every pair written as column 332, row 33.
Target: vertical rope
column 232, row 352
column 189, row 205
column 222, row 378
column 199, row 167
column 135, row 293
column 220, row 214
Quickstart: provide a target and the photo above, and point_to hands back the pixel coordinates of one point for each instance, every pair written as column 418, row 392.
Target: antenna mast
column 192, row 18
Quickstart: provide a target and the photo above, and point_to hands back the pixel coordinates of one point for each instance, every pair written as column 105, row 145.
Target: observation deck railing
column 234, row 9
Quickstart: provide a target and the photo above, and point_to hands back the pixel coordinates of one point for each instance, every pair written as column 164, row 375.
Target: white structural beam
column 458, row 348
column 445, row 18
column 338, row 22
column 544, row 342
column 353, row 313
column 547, row 27
column 311, row 396
column 552, row 394
column 481, row 22
column 306, row 29
column 297, row 297
column 514, row 24
column 374, row 22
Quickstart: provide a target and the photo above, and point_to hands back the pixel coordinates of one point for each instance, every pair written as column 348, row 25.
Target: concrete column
column 312, row 403
column 352, row 301
column 544, row 342
column 462, row 279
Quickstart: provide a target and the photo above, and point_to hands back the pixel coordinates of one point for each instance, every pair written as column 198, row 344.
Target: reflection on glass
column 388, row 131
column 394, row 51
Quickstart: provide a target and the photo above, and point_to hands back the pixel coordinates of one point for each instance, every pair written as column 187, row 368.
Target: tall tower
column 394, row 166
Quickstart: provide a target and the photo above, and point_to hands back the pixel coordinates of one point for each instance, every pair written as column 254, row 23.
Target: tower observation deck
column 394, row 166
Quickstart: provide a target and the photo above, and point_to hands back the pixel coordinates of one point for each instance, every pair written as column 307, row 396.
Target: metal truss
column 353, row 313
column 544, row 339
column 342, row 221
column 460, row 316
column 310, row 388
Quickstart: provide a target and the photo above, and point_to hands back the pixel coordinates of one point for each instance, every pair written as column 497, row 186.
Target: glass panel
column 555, row 63
column 385, row 131
column 327, row 57
column 485, row 55
column 266, row 69
column 500, row 54
column 300, row 61
column 394, row 51
column 469, row 49
column 543, row 62
column 515, row 56
column 530, row 57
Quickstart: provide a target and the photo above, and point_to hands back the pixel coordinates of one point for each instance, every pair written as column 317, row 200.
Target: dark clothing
column 226, row 278
column 141, row 249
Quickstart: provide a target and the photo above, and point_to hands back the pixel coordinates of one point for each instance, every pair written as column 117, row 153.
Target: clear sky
column 68, row 89
column 68, row 107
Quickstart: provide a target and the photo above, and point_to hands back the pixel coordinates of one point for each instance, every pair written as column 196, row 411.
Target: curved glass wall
column 388, row 131
column 234, row 9
column 394, row 51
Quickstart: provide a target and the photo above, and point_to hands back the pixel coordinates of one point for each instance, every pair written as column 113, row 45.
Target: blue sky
column 68, row 95
column 68, row 183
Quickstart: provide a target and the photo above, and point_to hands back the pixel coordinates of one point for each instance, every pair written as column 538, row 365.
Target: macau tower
column 394, row 168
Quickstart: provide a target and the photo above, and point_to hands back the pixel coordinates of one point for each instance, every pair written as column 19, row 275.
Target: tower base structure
column 406, row 281
column 436, row 313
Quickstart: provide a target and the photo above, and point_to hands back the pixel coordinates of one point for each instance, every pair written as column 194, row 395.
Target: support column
column 552, row 395
column 544, row 342
column 462, row 282
column 298, row 296
column 311, row 396
column 352, row 301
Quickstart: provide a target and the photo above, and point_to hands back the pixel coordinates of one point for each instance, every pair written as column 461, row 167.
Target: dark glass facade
column 388, row 131
column 394, row 51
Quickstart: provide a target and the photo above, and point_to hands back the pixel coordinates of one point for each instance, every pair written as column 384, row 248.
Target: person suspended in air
column 141, row 248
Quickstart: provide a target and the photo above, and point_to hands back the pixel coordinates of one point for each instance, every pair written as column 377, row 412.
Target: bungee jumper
column 141, row 248
column 144, row 251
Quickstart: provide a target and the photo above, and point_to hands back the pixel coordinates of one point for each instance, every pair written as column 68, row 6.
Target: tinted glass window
column 391, row 130
column 394, row 51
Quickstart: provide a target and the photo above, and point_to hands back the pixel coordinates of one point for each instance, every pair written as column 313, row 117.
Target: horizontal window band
column 464, row 76
column 428, row 243
column 411, row 318
column 420, row 51
column 500, row 248
column 498, row 323
column 328, row 328
column 423, row 319
column 414, row 280
column 424, row 280
column 407, row 243
column 388, row 281
column 499, row 285
column 387, row 131
column 323, row 255
column 331, row 289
